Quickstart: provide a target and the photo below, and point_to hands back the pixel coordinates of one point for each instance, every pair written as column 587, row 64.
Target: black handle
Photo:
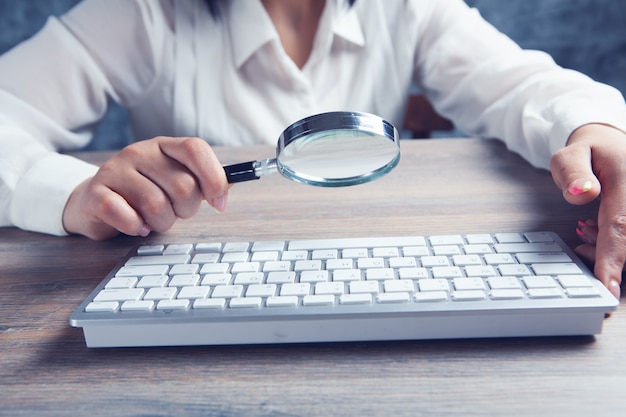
column 244, row 171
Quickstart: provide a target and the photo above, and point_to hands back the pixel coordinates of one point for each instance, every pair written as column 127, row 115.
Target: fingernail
column 581, row 223
column 143, row 231
column 579, row 187
column 219, row 203
column 583, row 236
column 614, row 288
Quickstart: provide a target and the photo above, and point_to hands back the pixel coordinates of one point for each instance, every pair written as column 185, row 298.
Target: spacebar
column 366, row 242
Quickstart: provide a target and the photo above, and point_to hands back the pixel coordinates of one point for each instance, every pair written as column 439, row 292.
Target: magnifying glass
column 334, row 149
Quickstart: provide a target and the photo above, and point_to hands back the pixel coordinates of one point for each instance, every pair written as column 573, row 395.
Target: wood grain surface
column 439, row 187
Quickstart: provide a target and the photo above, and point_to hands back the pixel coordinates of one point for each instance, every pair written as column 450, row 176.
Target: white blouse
column 182, row 73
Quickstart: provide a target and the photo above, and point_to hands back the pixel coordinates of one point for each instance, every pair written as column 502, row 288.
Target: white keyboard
column 387, row 288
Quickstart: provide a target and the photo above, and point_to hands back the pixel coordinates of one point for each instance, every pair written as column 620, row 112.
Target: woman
column 240, row 71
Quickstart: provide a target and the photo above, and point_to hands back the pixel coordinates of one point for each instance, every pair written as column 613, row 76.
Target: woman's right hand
column 146, row 187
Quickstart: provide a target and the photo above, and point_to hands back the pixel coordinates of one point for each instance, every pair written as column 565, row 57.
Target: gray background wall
column 586, row 35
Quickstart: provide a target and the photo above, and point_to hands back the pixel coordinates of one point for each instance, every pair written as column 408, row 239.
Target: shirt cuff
column 41, row 195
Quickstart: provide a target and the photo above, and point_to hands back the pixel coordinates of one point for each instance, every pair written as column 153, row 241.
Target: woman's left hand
column 594, row 161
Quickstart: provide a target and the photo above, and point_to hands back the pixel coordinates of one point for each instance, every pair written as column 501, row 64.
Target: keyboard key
column 446, row 272
column 181, row 304
column 507, row 294
column 544, row 293
column 526, row 247
column 469, row 295
column 236, row 247
column 184, row 280
column 347, row 275
column 476, row 239
column 150, row 250
column 102, row 307
column 247, row 278
column 158, row 260
column 545, row 257
column 464, row 260
column 509, row 238
column 210, row 303
column 318, row 300
column 514, row 269
column 230, row 257
column 119, row 294
column 582, row 292
column 539, row 282
column 227, row 291
column 295, row 289
column 468, row 284
column 350, row 299
column 282, row 301
column 433, row 285
column 214, row 268
column 446, row 250
column 178, row 249
column 194, row 292
column 264, row 256
column 313, row 276
column 364, row 287
column 393, row 297
column 333, row 264
column 334, row 288
column 217, row 279
column 556, row 269
column 315, row 265
column 446, row 240
column 153, row 281
column 139, row 305
column 571, row 281
column 160, row 293
column 503, row 283
column 324, row 254
column 280, row 277
column 276, row 266
column 431, row 296
column 121, row 282
column 399, row 285
column 431, row 261
column 261, row 290
column 208, row 247
column 480, row 271
column 141, row 270
column 379, row 274
column 269, row 246
column 246, row 302
column 184, row 269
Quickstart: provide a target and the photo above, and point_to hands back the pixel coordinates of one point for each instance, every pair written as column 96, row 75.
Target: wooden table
column 440, row 186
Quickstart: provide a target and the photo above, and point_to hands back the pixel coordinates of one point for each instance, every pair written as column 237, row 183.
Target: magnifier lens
column 333, row 149
column 338, row 157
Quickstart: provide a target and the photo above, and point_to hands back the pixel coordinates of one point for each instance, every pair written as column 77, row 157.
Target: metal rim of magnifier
column 339, row 120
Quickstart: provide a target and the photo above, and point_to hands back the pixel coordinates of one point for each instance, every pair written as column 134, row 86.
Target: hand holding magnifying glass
column 333, row 149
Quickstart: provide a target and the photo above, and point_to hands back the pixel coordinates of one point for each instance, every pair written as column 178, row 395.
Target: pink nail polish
column 581, row 223
column 577, row 188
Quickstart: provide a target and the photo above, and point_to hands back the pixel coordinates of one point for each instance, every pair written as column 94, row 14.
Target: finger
column 572, row 172
column 611, row 240
column 588, row 231
column 197, row 156
column 110, row 210
column 146, row 198
column 177, row 183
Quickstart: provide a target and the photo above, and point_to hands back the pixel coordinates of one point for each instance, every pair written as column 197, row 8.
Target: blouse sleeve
column 54, row 88
column 492, row 88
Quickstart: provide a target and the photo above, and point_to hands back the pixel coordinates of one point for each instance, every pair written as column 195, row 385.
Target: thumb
column 572, row 172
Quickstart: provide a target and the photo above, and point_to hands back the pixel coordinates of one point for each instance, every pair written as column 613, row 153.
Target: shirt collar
column 250, row 27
